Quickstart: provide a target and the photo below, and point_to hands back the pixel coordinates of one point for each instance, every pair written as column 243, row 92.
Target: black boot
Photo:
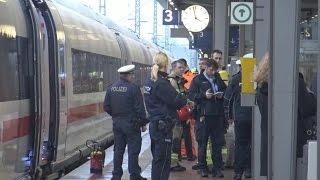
column 237, row 177
column 178, row 168
column 204, row 172
column 217, row 174
column 195, row 167
column 247, row 173
column 137, row 178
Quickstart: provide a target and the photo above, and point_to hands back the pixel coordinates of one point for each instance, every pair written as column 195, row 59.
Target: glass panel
column 93, row 72
column 14, row 72
column 307, row 83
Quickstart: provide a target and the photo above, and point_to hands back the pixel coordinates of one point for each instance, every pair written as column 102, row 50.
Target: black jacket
column 197, row 93
column 161, row 99
column 124, row 100
column 262, row 100
column 232, row 101
column 307, row 107
column 162, row 102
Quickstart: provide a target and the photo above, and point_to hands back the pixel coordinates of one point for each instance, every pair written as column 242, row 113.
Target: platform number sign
column 170, row 17
column 241, row 13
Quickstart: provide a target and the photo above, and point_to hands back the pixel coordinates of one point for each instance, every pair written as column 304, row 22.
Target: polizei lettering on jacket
column 119, row 89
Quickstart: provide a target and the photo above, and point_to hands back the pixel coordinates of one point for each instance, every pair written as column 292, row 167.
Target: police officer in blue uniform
column 124, row 102
column 207, row 91
column 242, row 117
column 162, row 102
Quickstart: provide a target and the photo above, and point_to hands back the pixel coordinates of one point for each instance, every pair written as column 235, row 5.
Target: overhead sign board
column 241, row 13
column 170, row 17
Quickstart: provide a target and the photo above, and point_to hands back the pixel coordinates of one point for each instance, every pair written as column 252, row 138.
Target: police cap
column 128, row 69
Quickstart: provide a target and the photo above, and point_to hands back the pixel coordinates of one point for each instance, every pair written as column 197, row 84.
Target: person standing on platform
column 196, row 112
column 242, row 118
column 188, row 125
column 207, row 91
column 177, row 82
column 123, row 101
column 217, row 56
column 162, row 102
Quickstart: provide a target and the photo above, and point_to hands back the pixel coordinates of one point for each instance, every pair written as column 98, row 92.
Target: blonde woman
column 162, row 102
column 306, row 113
column 262, row 99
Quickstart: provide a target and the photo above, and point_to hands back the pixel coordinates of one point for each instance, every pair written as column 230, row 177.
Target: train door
column 48, row 87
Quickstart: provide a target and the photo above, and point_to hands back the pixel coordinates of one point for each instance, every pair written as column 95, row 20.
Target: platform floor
column 83, row 172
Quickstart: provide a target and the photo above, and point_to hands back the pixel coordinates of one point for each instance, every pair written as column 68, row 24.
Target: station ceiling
column 183, row 4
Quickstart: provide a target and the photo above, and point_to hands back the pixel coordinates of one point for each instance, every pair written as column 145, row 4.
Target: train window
column 14, row 83
column 93, row 72
column 142, row 72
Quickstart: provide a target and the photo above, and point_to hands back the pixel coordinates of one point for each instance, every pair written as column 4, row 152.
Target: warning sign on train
column 241, row 13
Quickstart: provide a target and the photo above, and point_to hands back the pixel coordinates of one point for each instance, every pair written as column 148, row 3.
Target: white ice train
column 57, row 58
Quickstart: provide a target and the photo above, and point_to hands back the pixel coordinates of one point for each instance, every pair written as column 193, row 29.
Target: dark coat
column 162, row 102
column 262, row 100
column 124, row 100
column 232, row 101
column 306, row 107
column 199, row 86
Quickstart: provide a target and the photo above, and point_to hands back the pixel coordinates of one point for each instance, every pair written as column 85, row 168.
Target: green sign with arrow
column 241, row 13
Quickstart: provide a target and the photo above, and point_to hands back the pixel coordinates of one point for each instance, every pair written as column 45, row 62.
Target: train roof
column 90, row 13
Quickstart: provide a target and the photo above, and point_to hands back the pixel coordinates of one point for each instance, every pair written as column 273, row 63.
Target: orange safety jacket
column 188, row 75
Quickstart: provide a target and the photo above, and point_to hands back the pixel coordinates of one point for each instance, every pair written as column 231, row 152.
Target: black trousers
column 242, row 145
column 161, row 153
column 211, row 127
column 125, row 134
column 187, row 139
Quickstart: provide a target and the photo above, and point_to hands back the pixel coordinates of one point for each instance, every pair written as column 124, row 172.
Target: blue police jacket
column 232, row 101
column 161, row 99
column 124, row 100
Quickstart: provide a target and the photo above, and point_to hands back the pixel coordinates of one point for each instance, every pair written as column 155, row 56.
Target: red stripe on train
column 16, row 128
column 83, row 112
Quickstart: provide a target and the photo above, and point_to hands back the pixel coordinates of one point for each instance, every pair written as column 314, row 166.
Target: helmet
column 184, row 113
column 249, row 55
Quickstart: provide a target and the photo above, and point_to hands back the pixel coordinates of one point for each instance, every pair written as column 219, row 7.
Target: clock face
column 195, row 18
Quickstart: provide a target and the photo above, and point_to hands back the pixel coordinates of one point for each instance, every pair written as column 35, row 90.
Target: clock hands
column 194, row 13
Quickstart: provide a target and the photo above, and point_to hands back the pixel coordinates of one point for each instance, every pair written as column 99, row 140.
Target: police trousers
column 161, row 144
column 125, row 134
column 211, row 127
column 242, row 160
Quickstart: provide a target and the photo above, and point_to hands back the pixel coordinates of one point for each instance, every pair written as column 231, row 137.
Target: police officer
column 242, row 117
column 123, row 101
column 162, row 102
column 207, row 90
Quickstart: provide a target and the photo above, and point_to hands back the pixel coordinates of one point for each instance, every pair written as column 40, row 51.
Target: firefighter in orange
column 188, row 130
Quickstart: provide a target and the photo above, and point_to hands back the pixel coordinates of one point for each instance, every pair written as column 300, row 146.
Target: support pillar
column 221, row 27
column 283, row 89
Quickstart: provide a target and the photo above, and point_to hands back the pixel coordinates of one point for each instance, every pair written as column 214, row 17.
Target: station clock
column 195, row 18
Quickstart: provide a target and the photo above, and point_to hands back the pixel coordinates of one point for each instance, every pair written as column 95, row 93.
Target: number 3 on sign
column 168, row 17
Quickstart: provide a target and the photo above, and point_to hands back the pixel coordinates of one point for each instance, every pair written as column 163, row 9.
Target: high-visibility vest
column 189, row 77
column 224, row 76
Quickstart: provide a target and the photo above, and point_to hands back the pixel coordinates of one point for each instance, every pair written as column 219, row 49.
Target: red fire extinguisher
column 97, row 157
